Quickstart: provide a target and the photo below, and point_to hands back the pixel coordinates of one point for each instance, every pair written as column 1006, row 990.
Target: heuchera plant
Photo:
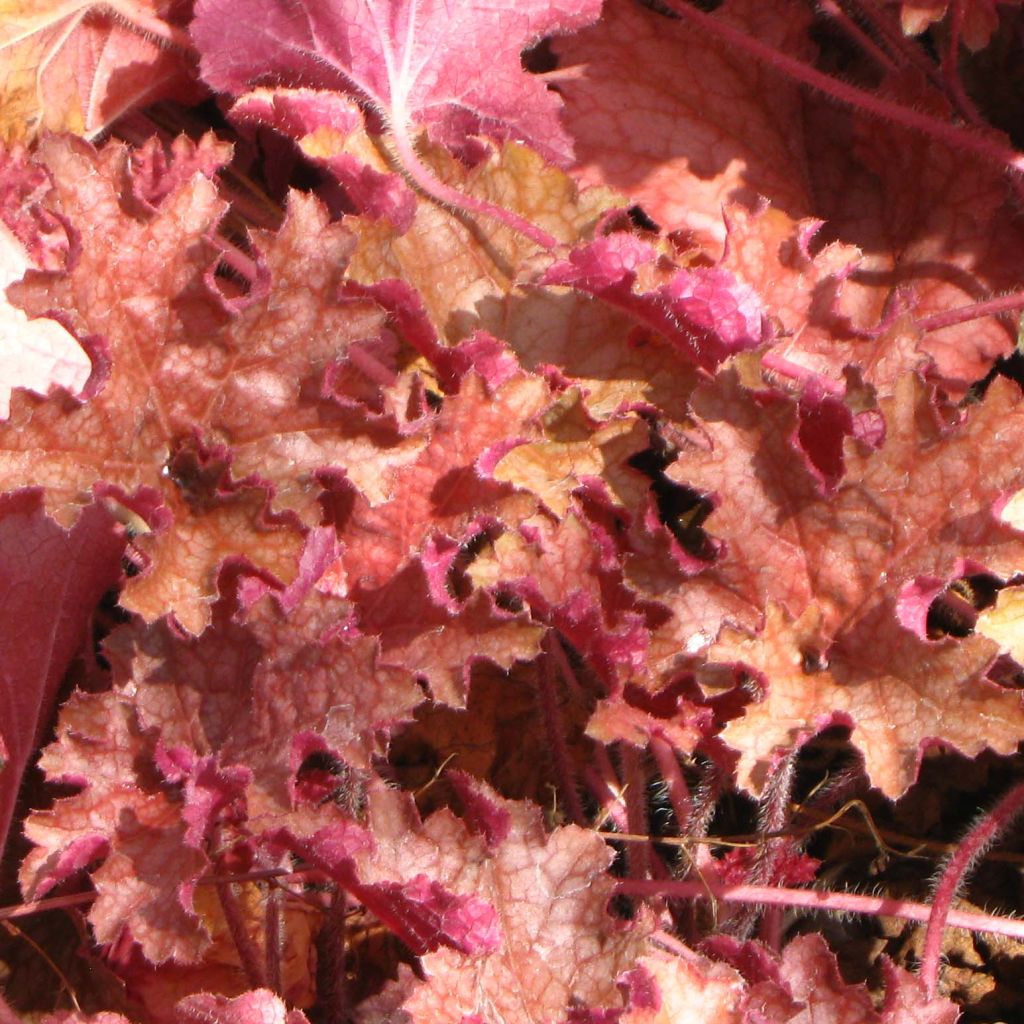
column 488, row 490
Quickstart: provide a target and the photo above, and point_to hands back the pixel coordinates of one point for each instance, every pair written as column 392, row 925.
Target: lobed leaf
column 451, row 68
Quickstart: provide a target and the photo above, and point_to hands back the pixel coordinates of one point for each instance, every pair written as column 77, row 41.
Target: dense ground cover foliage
column 510, row 511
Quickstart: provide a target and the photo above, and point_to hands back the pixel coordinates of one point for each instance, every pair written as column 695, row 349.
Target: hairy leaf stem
column 951, row 63
column 859, row 37
column 678, row 792
column 332, row 948
column 606, row 789
column 817, row 900
column 640, row 857
column 425, row 180
column 982, row 835
column 248, row 954
column 974, row 311
column 135, row 17
column 555, row 730
column 958, row 138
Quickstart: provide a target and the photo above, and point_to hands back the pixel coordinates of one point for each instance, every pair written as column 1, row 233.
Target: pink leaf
column 466, row 923
column 257, row 1007
column 707, row 312
column 450, row 67
column 52, row 581
column 322, row 123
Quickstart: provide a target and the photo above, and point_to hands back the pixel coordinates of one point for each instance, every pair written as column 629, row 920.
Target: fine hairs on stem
column 985, row 831
column 555, row 732
column 425, row 180
column 332, row 950
column 773, row 816
column 985, row 147
column 248, row 952
column 818, row 901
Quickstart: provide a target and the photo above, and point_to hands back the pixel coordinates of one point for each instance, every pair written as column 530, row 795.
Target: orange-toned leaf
column 77, row 65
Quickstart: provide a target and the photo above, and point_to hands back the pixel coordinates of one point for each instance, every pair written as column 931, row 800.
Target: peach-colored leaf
column 549, row 889
column 662, row 989
column 256, row 1007
column 699, row 125
column 692, row 126
column 1004, row 622
column 817, row 314
column 467, row 274
column 128, row 821
column 788, row 542
column 933, row 225
column 77, row 65
column 566, row 573
column 897, row 692
column 439, row 639
column 257, row 692
column 844, row 567
column 446, row 488
column 191, row 371
column 574, row 453
column 706, row 312
column 40, row 353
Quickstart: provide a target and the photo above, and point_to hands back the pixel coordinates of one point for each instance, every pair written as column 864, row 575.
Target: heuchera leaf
column 898, row 693
column 568, row 446
column 846, row 594
column 1003, row 622
column 72, row 65
column 154, row 434
column 663, row 990
column 439, row 638
column 907, row 1003
column 804, row 985
column 256, row 1007
column 42, row 353
column 125, row 817
column 25, row 187
column 446, row 488
column 558, row 570
column 328, row 128
column 155, row 171
column 424, row 914
column 451, row 68
column 699, row 122
column 466, row 277
column 691, row 124
column 865, row 527
column 293, row 676
column 706, row 312
column 153, row 990
column 816, row 315
column 933, row 227
column 574, row 455
column 598, row 348
column 52, row 581
column 695, row 602
column 200, row 723
column 545, row 960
